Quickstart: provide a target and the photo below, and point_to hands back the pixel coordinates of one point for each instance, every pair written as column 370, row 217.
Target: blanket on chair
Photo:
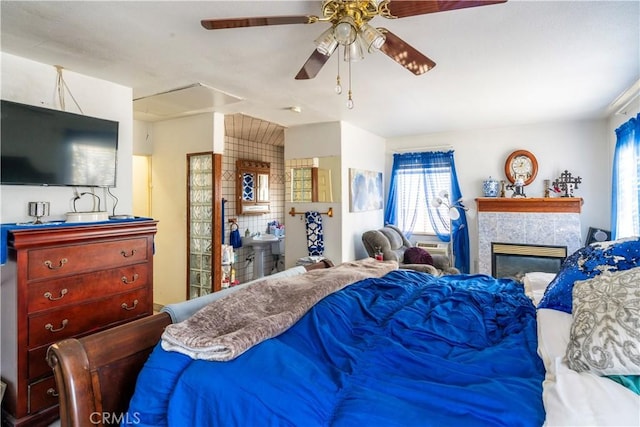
column 227, row 327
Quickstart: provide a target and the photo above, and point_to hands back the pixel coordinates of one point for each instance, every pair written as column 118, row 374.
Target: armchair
column 392, row 243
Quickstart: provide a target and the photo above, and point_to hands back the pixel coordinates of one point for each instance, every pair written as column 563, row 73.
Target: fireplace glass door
column 515, row 260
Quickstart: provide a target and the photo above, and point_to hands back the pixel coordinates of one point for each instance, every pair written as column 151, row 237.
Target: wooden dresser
column 62, row 282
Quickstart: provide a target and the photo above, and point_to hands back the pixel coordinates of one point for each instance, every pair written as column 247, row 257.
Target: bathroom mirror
column 313, row 179
column 252, row 187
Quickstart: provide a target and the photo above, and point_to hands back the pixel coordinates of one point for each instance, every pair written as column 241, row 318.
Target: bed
column 397, row 347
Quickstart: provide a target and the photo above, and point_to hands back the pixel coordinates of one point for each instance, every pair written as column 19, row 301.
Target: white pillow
column 605, row 332
column 535, row 283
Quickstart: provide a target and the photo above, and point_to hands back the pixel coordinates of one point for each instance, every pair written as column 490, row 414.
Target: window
column 417, row 179
column 413, row 206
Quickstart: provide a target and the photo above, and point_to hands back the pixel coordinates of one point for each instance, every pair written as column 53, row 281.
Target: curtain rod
column 620, row 104
column 430, row 148
column 623, row 109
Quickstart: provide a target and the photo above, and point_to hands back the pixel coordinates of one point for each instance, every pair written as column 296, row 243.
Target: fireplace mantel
column 540, row 205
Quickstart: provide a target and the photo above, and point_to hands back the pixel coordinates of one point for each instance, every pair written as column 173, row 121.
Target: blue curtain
column 428, row 165
column 625, row 194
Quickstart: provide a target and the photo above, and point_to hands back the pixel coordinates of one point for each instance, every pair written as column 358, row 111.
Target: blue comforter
column 405, row 349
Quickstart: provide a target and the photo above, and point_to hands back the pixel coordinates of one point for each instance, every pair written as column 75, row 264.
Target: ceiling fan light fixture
column 326, row 43
column 345, row 31
column 371, row 37
column 354, row 52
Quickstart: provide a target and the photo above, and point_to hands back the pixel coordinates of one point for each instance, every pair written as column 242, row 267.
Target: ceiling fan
column 350, row 28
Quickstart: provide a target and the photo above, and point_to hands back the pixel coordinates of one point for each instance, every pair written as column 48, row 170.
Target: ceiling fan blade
column 312, row 67
column 404, row 54
column 404, row 8
column 219, row 24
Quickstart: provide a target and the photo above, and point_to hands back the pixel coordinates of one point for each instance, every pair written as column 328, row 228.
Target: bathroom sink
column 260, row 244
column 263, row 239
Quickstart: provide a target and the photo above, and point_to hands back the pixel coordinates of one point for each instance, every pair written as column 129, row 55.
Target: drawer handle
column 125, row 280
column 50, row 297
column 49, row 326
column 50, row 265
column 52, row 392
column 126, row 307
column 124, row 254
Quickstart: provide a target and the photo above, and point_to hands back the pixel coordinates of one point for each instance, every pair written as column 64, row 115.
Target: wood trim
column 314, row 184
column 535, row 205
column 217, row 225
column 35, row 237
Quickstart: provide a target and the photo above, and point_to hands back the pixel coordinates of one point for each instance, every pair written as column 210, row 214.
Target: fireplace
column 514, row 260
column 527, row 221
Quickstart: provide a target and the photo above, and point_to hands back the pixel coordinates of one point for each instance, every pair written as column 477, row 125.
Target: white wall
column 357, row 149
column 142, row 138
column 34, row 83
column 317, row 140
column 581, row 147
column 172, row 140
column 360, row 150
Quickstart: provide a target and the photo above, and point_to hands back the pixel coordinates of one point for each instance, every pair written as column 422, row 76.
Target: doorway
column 141, row 176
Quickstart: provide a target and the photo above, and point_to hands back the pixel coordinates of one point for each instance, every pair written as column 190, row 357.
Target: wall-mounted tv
column 41, row 146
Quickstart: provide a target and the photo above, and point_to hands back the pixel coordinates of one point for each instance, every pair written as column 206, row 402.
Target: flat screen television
column 41, row 146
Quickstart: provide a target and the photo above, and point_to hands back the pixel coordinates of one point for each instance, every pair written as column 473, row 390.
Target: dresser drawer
column 42, row 394
column 74, row 259
column 38, row 365
column 55, row 325
column 44, row 295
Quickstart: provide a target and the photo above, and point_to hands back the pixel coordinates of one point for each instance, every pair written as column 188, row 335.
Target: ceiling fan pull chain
column 338, row 88
column 349, row 99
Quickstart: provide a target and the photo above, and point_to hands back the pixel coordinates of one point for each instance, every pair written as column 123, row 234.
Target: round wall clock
column 521, row 164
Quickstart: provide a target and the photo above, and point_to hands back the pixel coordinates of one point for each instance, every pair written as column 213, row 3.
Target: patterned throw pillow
column 416, row 255
column 588, row 262
column 605, row 332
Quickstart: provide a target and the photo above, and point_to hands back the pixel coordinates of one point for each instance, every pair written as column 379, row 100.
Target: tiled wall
column 235, row 149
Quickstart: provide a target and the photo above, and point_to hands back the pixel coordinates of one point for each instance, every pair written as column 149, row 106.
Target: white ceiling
column 501, row 65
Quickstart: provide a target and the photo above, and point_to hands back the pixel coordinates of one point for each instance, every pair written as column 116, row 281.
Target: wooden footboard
column 96, row 375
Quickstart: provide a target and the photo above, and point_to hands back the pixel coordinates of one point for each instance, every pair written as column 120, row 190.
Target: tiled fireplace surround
column 533, row 221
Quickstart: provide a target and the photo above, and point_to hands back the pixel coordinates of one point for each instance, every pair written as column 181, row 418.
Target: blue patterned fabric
column 588, row 262
column 315, row 235
column 247, row 187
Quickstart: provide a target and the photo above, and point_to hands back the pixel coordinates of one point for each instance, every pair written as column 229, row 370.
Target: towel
column 234, row 237
column 315, row 235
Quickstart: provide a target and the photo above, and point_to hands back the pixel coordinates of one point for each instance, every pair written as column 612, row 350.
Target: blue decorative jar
column 490, row 187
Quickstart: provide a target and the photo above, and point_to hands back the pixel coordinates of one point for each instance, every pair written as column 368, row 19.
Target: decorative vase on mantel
column 490, row 187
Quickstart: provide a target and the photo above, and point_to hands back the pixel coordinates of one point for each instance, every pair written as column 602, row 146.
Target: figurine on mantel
column 517, row 187
column 567, row 183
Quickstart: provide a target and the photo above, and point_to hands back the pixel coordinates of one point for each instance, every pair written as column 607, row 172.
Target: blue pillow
column 588, row 262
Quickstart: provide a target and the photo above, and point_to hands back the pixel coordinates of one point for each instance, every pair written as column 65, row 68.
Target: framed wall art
column 365, row 190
